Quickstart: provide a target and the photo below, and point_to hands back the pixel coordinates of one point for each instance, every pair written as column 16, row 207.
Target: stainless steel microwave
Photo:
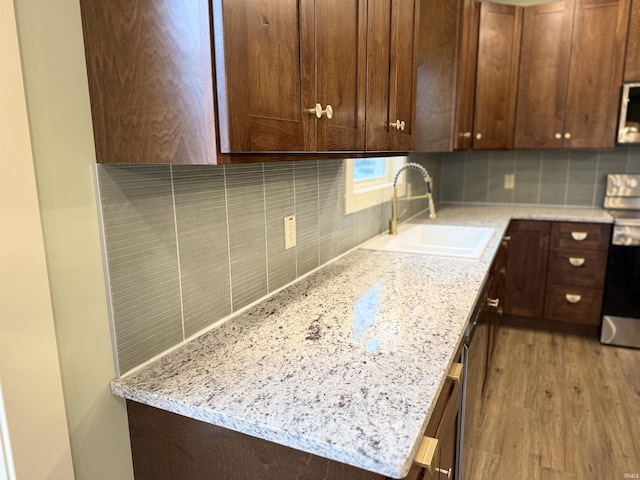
column 629, row 125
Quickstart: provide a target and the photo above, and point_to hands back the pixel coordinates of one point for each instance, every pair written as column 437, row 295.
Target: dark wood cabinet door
column 497, row 76
column 470, row 24
column 392, row 30
column 544, row 70
column 632, row 61
column 277, row 60
column 527, row 268
column 265, row 76
column 150, row 84
column 341, row 71
column 438, row 48
column 168, row 446
column 595, row 73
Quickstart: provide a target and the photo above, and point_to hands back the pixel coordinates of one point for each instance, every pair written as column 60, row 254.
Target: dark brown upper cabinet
column 275, row 61
column 392, row 29
column 496, row 76
column 230, row 81
column 570, row 74
column 632, row 65
column 150, row 80
column 467, row 75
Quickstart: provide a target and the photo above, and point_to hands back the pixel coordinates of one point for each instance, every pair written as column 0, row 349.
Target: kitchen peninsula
column 346, row 363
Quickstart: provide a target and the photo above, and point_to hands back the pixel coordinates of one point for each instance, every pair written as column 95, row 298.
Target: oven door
column 621, row 303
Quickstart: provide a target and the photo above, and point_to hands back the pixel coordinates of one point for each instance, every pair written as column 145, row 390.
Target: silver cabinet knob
column 478, row 136
column 398, row 125
column 567, row 136
column 465, row 135
column 558, row 136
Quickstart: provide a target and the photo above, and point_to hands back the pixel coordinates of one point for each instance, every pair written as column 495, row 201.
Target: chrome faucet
column 393, row 223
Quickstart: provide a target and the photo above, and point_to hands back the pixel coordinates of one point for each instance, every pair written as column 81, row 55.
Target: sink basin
column 428, row 239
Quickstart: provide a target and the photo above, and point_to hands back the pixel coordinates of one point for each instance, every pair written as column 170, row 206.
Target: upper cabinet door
column 466, row 93
column 595, row 73
column 467, row 73
column 150, row 83
column 571, row 72
column 341, row 37
column 265, row 56
column 290, row 75
column 392, row 29
column 497, row 76
column 544, row 69
column 632, row 66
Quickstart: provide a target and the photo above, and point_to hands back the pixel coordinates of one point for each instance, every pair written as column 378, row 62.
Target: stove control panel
column 623, row 185
column 623, row 195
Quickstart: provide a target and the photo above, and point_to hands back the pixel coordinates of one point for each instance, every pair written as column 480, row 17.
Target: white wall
column 53, row 64
column 33, row 413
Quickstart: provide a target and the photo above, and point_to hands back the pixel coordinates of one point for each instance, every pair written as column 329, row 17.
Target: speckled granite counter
column 347, row 362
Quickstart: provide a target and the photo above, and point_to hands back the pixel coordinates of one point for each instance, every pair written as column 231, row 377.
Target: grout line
column 540, row 172
column 464, row 177
column 595, row 180
column 317, row 162
column 515, row 181
column 293, row 174
column 175, row 226
column 566, row 179
column 266, row 233
column 487, row 195
column 226, row 210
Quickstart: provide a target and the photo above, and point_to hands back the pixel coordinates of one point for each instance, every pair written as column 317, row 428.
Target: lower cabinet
column 481, row 339
column 437, row 455
column 167, row 446
column 556, row 270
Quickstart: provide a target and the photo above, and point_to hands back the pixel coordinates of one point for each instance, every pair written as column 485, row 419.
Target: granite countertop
column 347, row 362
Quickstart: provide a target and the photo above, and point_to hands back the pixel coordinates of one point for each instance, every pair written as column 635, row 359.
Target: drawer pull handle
column 493, row 302
column 576, row 261
column 427, row 453
column 573, row 298
column 455, row 373
column 426, row 457
column 579, row 236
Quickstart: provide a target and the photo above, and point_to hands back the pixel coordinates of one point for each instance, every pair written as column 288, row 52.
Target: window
column 370, row 180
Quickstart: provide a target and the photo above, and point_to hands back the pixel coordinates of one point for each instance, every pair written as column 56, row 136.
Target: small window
column 369, row 181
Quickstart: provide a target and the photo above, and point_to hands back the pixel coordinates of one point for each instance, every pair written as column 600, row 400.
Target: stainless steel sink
column 430, row 239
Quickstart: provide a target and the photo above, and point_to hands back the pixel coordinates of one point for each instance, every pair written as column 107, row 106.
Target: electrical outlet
column 289, row 232
column 509, row 181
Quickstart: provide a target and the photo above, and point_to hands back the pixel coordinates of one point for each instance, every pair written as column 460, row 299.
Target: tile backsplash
column 566, row 178
column 187, row 246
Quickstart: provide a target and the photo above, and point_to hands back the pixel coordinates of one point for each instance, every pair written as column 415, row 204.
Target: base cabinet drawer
column 584, row 236
column 580, row 268
column 556, row 271
column 573, row 304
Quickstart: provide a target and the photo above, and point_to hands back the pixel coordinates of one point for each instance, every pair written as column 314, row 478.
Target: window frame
column 368, row 193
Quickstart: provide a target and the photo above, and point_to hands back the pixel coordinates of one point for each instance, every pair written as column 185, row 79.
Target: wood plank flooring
column 559, row 407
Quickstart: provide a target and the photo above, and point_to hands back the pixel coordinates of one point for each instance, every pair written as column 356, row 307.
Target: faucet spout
column 393, row 222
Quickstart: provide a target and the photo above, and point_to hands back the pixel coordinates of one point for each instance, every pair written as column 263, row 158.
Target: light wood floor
column 559, row 407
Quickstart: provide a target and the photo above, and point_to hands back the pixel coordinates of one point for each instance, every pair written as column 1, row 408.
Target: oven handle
column 626, row 237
